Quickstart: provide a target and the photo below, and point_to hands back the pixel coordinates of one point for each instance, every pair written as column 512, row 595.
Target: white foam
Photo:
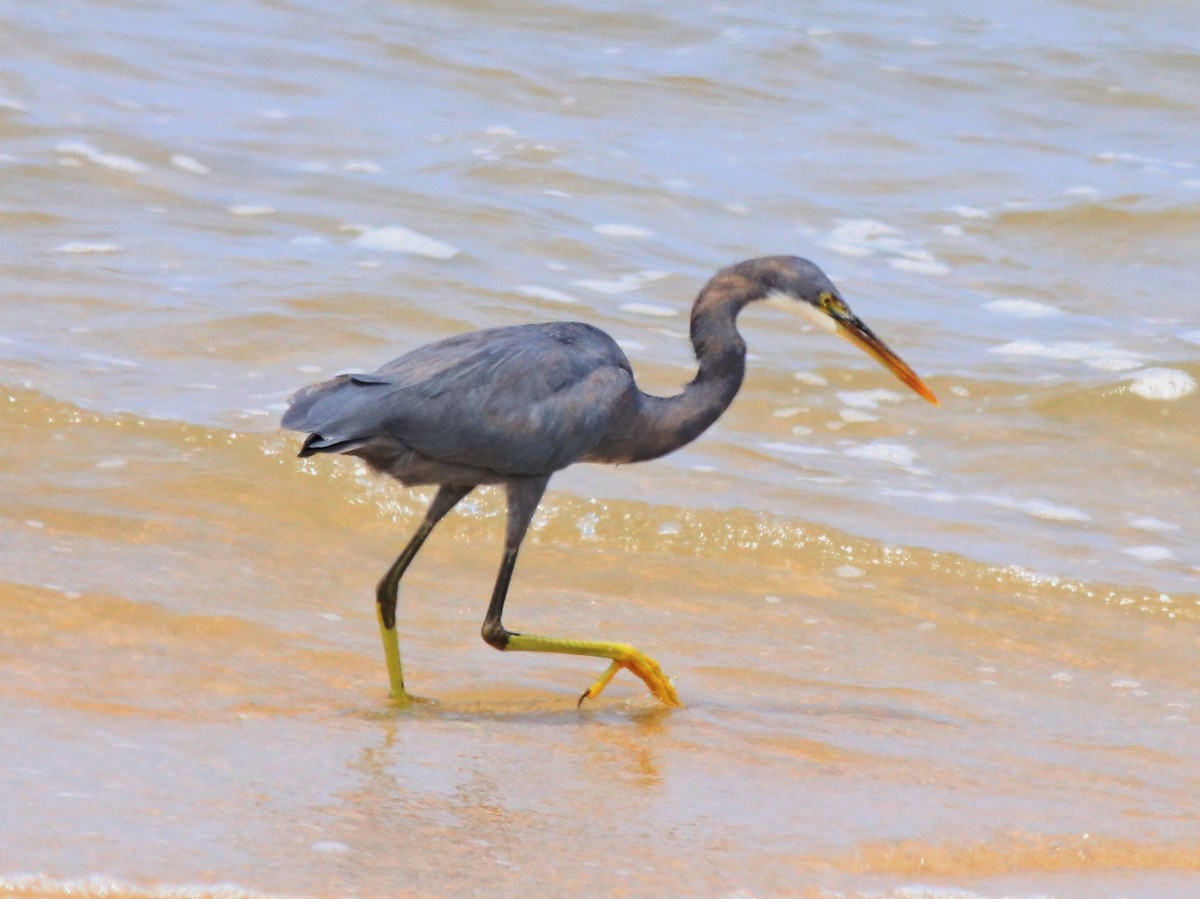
column 626, row 283
column 105, row 160
column 1097, row 355
column 885, row 451
column 397, row 239
column 250, row 210
column 857, row 416
column 1021, row 308
column 866, row 237
column 621, row 230
column 96, row 886
column 919, row 261
column 1147, row 523
column 934, row 496
column 329, row 846
column 868, row 399
column 795, row 448
column 1113, row 363
column 862, row 237
column 969, row 212
column 1162, row 384
column 810, row 377
column 648, row 309
column 1149, row 161
column 187, row 163
column 363, row 165
column 1038, row 508
column 547, row 293
column 82, row 246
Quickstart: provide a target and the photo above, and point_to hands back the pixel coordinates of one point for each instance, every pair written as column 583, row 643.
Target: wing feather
column 528, row 399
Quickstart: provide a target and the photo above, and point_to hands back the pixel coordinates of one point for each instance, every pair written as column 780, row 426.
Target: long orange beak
column 864, row 338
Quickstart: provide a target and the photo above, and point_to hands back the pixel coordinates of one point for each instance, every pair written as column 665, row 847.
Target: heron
column 512, row 405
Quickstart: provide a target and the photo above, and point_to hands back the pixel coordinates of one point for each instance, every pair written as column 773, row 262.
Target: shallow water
column 925, row 652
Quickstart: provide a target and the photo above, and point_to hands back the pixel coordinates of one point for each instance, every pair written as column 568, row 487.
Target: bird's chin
column 863, row 338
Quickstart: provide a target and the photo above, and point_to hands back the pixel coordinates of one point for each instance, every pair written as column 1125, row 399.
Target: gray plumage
column 514, row 405
column 523, row 400
column 532, row 399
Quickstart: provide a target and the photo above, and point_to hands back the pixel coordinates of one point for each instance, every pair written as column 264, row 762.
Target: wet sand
column 209, row 706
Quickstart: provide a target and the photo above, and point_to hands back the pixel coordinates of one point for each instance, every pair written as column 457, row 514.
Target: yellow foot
column 622, row 655
column 403, row 699
column 645, row 668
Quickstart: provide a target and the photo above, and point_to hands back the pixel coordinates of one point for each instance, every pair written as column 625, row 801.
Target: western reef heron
column 513, row 405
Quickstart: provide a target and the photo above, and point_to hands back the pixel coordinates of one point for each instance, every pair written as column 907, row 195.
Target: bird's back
column 528, row 399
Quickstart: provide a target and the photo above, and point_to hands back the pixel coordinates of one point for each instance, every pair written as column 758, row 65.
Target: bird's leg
column 387, row 592
column 523, row 497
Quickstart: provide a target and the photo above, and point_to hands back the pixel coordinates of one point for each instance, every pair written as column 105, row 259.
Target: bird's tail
column 339, row 415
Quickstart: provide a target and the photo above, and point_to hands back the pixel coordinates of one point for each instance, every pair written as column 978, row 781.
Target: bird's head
column 798, row 286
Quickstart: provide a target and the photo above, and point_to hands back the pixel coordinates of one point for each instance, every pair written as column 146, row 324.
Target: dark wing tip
column 310, row 446
column 316, row 443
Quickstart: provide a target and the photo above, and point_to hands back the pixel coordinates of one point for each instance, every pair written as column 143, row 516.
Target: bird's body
column 513, row 405
column 484, row 406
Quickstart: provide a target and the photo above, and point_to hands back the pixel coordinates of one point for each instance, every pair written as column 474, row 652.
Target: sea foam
column 397, row 239
column 1162, row 384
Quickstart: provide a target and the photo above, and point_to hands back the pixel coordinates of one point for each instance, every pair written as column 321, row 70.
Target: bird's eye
column 833, row 306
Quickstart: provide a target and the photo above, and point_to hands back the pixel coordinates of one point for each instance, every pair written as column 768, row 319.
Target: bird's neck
column 664, row 424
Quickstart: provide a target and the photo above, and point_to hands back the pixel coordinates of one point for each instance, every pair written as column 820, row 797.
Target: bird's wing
column 523, row 400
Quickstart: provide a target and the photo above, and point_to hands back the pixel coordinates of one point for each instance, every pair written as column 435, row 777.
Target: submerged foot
column 403, row 699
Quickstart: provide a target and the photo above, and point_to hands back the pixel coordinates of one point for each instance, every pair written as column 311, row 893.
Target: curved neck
column 663, row 424
column 666, row 423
